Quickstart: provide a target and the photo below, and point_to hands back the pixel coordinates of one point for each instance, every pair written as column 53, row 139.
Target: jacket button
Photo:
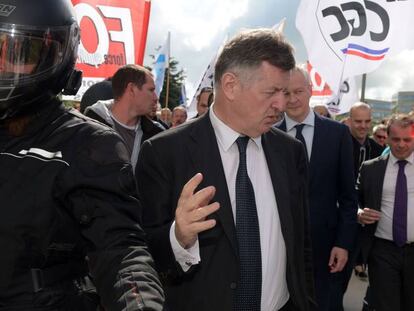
column 84, row 219
column 233, row 285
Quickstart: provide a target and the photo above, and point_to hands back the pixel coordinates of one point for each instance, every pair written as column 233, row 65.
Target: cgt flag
column 345, row 38
column 113, row 34
column 161, row 63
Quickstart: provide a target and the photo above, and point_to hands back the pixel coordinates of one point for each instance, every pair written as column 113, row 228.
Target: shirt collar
column 226, row 136
column 309, row 120
column 394, row 160
column 135, row 127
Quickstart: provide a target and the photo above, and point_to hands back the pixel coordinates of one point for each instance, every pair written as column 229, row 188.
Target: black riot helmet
column 38, row 49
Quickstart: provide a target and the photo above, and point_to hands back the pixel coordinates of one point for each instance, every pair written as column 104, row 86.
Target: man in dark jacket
column 364, row 148
column 134, row 98
column 69, row 213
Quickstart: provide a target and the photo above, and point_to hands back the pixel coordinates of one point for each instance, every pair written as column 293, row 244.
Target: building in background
column 403, row 101
column 380, row 109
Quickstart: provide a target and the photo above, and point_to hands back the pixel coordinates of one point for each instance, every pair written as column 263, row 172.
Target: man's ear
column 230, row 85
column 129, row 89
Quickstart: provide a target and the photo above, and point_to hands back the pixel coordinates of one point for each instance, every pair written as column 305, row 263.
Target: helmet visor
column 25, row 55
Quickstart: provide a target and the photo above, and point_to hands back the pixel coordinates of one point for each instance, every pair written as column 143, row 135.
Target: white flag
column 161, row 63
column 183, row 95
column 346, row 38
column 207, row 80
column 280, row 27
column 348, row 95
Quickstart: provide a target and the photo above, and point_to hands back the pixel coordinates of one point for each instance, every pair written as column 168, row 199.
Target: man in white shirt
column 386, row 191
column 225, row 195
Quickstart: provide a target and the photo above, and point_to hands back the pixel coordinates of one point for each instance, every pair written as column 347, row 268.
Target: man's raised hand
column 192, row 211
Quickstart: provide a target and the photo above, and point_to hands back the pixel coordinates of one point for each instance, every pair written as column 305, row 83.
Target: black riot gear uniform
column 69, row 214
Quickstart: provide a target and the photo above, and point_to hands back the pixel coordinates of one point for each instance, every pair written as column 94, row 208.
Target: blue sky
column 199, row 27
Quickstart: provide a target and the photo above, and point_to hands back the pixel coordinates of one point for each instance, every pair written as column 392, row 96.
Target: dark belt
column 36, row 279
column 408, row 244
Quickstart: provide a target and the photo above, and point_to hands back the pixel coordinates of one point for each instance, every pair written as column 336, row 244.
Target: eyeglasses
column 380, row 136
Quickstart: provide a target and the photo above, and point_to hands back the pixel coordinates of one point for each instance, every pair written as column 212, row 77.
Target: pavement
column 355, row 294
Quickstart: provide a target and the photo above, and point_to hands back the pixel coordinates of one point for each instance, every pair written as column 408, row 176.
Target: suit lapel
column 379, row 179
column 279, row 175
column 206, row 159
column 282, row 126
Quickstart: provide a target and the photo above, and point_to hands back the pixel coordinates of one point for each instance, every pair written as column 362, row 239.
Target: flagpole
column 167, row 91
column 168, row 85
column 364, row 82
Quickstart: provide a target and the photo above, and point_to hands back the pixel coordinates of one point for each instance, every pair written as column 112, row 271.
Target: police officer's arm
column 102, row 199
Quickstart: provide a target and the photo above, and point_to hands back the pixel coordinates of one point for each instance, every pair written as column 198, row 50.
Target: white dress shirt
column 384, row 228
column 307, row 131
column 275, row 293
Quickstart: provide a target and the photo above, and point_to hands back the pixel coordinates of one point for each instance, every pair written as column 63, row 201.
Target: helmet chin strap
column 74, row 83
column 29, row 108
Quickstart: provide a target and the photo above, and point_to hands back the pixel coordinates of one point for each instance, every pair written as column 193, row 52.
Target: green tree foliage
column 176, row 79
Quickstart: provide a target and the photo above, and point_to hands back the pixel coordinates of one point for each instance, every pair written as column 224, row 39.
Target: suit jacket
column 167, row 162
column 332, row 195
column 370, row 183
column 373, row 150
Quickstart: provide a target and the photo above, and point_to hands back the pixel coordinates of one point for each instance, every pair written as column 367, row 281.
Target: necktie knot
column 299, row 128
column 402, row 163
column 242, row 142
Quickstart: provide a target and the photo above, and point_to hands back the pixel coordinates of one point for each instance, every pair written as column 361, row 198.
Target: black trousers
column 391, row 276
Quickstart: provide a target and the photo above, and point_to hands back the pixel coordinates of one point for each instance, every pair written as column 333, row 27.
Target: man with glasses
column 379, row 134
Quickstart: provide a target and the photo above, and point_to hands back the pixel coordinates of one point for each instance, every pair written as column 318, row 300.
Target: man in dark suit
column 386, row 196
column 332, row 196
column 226, row 195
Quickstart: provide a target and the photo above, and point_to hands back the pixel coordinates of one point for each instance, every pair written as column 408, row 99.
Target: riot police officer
column 68, row 210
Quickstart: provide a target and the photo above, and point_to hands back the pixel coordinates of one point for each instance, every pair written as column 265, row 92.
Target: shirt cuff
column 185, row 257
column 360, row 210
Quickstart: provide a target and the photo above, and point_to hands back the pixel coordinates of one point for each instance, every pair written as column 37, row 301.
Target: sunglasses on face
column 380, row 136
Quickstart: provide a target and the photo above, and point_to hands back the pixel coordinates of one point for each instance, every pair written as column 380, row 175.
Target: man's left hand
column 338, row 259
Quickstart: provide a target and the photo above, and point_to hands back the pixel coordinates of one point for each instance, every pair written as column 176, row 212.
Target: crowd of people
column 259, row 202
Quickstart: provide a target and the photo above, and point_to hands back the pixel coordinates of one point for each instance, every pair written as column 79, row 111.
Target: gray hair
column 379, row 127
column 302, row 69
column 250, row 48
column 402, row 120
